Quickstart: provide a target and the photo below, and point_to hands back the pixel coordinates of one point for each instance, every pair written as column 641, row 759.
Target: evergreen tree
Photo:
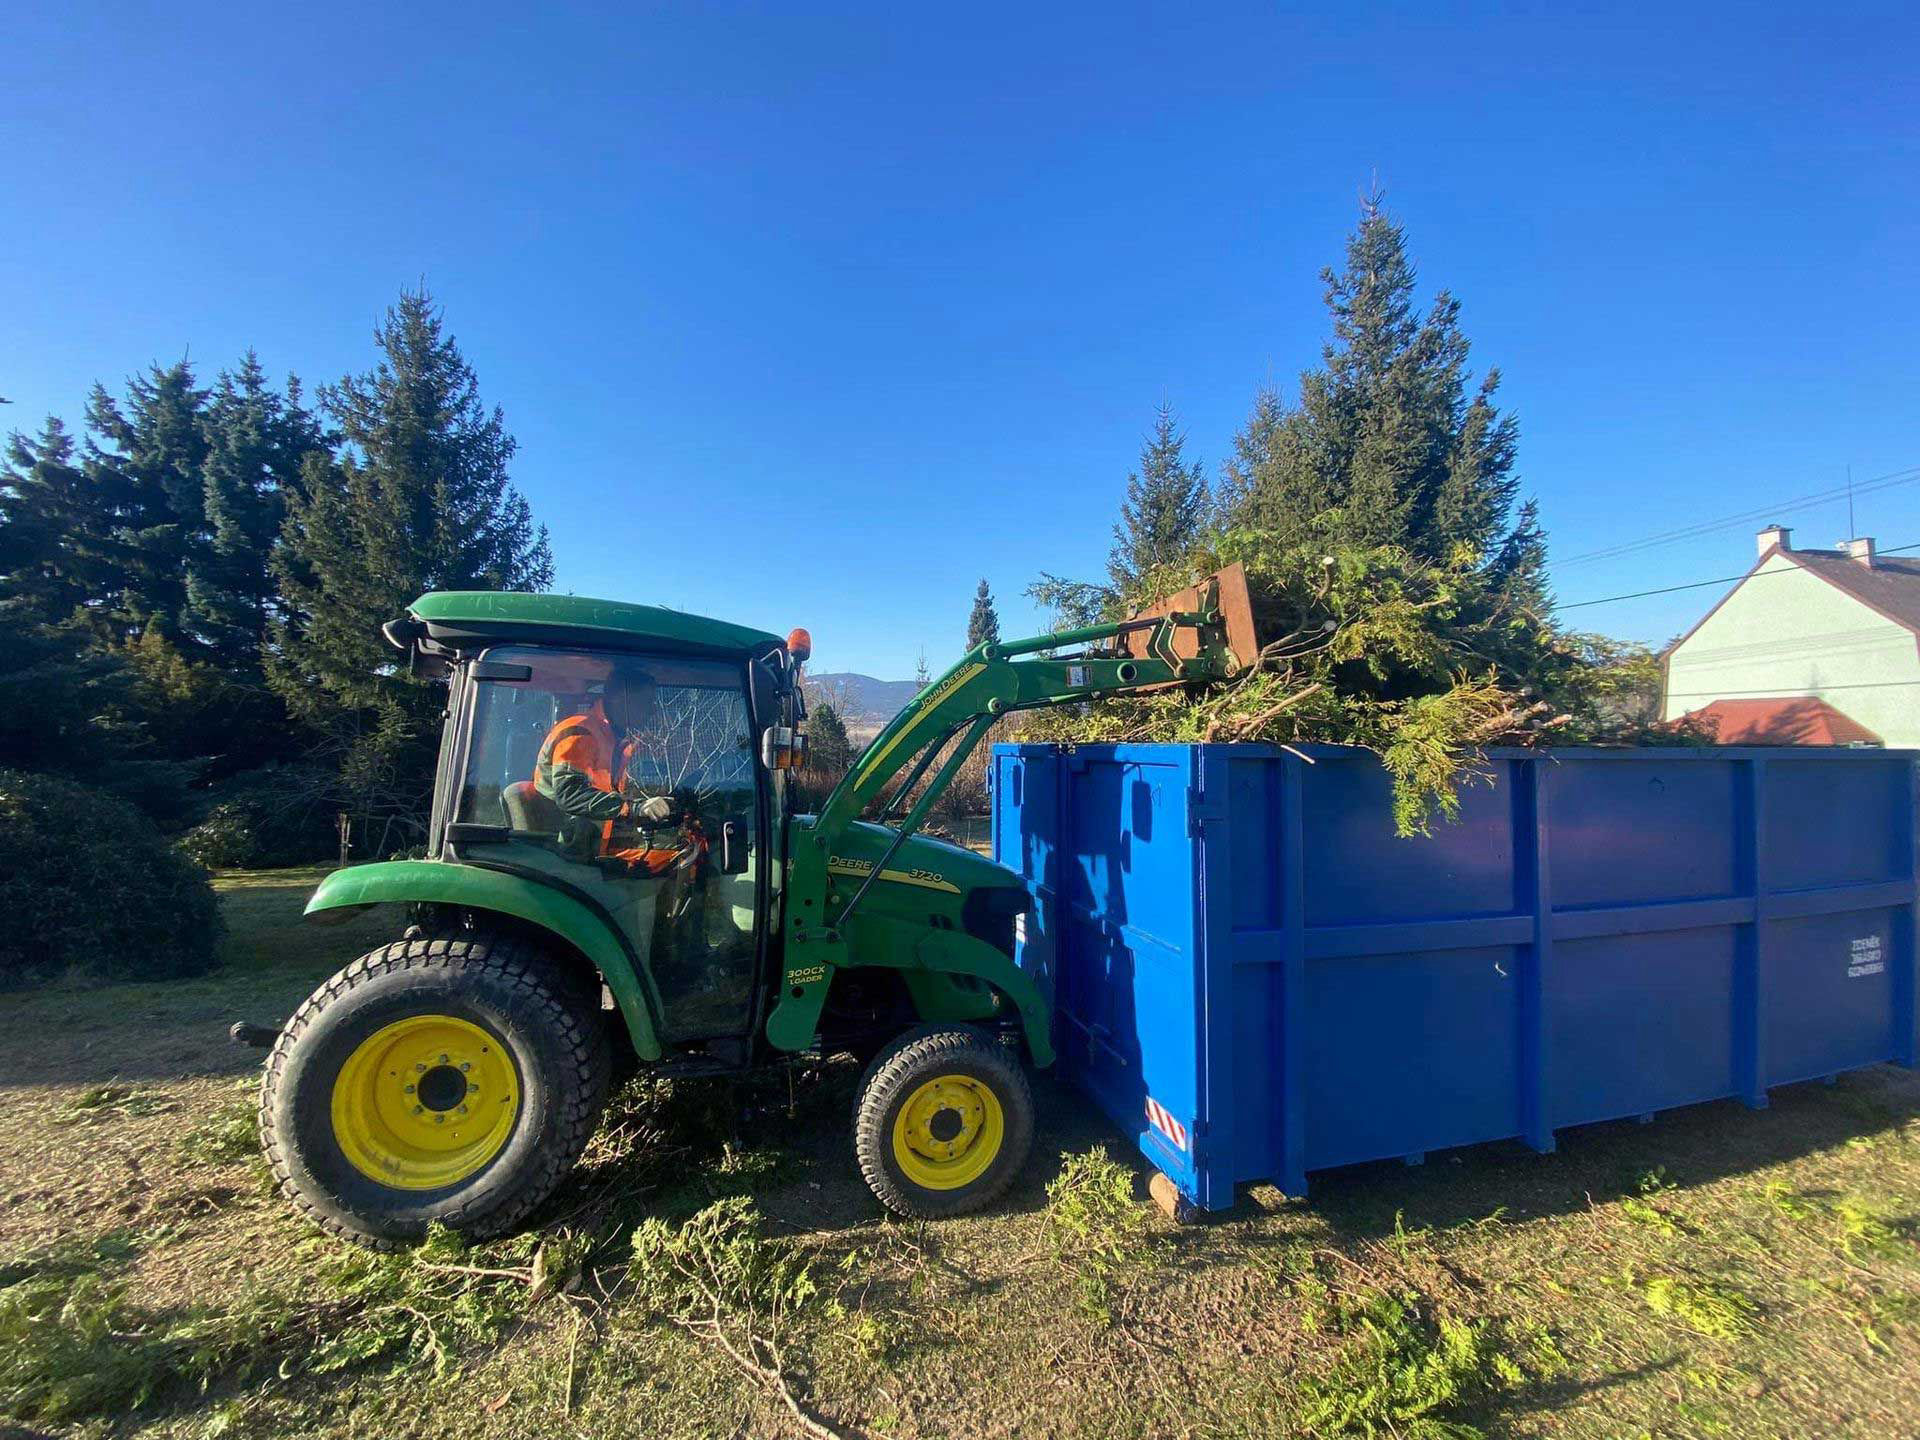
column 418, row 500
column 145, row 457
column 829, row 750
column 1398, row 585
column 69, row 706
column 257, row 441
column 1075, row 603
column 1387, row 446
column 921, row 675
column 983, row 623
column 1164, row 510
column 50, row 536
column 1256, row 451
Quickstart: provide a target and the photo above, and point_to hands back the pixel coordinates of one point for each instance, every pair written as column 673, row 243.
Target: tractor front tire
column 435, row 1080
column 943, row 1122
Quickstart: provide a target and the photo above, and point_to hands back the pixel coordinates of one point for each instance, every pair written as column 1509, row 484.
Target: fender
column 439, row 883
column 955, row 953
column 920, row 952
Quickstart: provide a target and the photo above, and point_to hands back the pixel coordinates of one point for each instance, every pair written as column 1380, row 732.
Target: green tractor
column 615, row 876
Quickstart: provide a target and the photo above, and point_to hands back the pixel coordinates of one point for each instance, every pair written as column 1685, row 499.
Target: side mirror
column 782, row 748
column 763, row 691
column 734, row 853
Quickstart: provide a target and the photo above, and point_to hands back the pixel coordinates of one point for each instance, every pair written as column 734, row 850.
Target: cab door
column 684, row 893
column 706, row 931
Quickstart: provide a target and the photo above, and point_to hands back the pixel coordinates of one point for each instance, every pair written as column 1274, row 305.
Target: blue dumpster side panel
column 1255, row 978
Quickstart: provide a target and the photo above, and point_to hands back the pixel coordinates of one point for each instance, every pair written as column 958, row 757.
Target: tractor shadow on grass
column 786, row 1141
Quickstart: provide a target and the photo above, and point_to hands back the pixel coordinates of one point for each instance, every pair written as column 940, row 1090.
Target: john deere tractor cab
column 613, row 866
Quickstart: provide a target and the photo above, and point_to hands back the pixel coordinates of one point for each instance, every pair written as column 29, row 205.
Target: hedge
column 88, row 888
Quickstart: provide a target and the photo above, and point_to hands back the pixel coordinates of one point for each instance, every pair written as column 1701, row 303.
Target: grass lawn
column 716, row 1268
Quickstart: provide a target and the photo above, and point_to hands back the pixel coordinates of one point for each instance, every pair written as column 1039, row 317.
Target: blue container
column 1256, row 978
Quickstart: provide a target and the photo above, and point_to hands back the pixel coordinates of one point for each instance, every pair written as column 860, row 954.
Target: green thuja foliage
column 74, row 1342
column 1717, row 1311
column 719, row 1261
column 1402, row 1371
column 1097, row 1230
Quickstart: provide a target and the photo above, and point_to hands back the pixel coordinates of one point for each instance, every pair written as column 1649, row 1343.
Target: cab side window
column 511, row 721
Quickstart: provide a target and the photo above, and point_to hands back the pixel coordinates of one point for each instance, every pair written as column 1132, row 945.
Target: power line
column 1775, row 690
column 1888, row 635
column 1888, row 481
column 1702, row 584
column 1748, row 517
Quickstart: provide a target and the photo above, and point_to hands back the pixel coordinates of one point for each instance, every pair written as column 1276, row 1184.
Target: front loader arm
column 1000, row 678
column 989, row 681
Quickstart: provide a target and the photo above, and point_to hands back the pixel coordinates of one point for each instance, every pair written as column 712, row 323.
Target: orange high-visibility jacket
column 582, row 768
column 578, row 765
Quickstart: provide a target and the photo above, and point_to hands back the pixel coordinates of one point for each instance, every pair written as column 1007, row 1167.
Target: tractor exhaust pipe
column 259, row 1037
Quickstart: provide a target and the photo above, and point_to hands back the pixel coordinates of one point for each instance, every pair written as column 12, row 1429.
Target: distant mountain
column 861, row 697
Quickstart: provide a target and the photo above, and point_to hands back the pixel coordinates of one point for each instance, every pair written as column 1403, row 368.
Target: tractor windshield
column 631, row 778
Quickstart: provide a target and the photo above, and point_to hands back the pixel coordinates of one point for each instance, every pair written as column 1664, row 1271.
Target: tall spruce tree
column 419, row 499
column 51, row 535
column 145, row 456
column 1256, row 452
column 67, row 706
column 983, row 622
column 1164, row 510
column 1388, row 444
column 1397, row 582
column 257, row 441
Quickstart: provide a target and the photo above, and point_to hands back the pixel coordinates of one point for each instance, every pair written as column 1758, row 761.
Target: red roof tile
column 1783, row 720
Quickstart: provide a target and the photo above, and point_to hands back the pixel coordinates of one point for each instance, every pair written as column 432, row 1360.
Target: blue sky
column 817, row 315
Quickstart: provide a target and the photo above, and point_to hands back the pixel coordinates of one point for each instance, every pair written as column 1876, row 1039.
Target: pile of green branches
column 1425, row 663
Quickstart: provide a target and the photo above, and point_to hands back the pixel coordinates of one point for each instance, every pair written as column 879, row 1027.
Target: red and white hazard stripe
column 1162, row 1120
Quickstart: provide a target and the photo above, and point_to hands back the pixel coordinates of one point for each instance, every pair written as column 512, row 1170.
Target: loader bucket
column 1223, row 593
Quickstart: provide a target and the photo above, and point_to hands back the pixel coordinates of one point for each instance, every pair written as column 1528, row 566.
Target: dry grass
column 1718, row 1273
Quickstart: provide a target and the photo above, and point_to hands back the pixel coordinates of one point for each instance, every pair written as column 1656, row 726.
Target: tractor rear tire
column 943, row 1122
column 434, row 1080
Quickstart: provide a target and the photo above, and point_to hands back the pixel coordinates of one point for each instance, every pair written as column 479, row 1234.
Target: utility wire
column 1783, row 507
column 1889, row 481
column 1723, row 580
column 1775, row 690
column 1807, row 645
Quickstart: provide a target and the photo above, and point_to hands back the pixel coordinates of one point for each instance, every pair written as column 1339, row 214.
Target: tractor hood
column 934, row 868
column 949, row 920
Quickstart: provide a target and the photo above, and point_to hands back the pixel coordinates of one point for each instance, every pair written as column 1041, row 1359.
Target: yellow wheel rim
column 424, row 1102
column 948, row 1132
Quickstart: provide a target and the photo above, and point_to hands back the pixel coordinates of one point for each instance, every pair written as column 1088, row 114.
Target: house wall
column 1792, row 633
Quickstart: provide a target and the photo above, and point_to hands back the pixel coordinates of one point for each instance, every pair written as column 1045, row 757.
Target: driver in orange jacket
column 584, row 764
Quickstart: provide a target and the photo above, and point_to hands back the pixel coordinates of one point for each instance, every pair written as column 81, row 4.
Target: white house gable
column 1785, row 631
